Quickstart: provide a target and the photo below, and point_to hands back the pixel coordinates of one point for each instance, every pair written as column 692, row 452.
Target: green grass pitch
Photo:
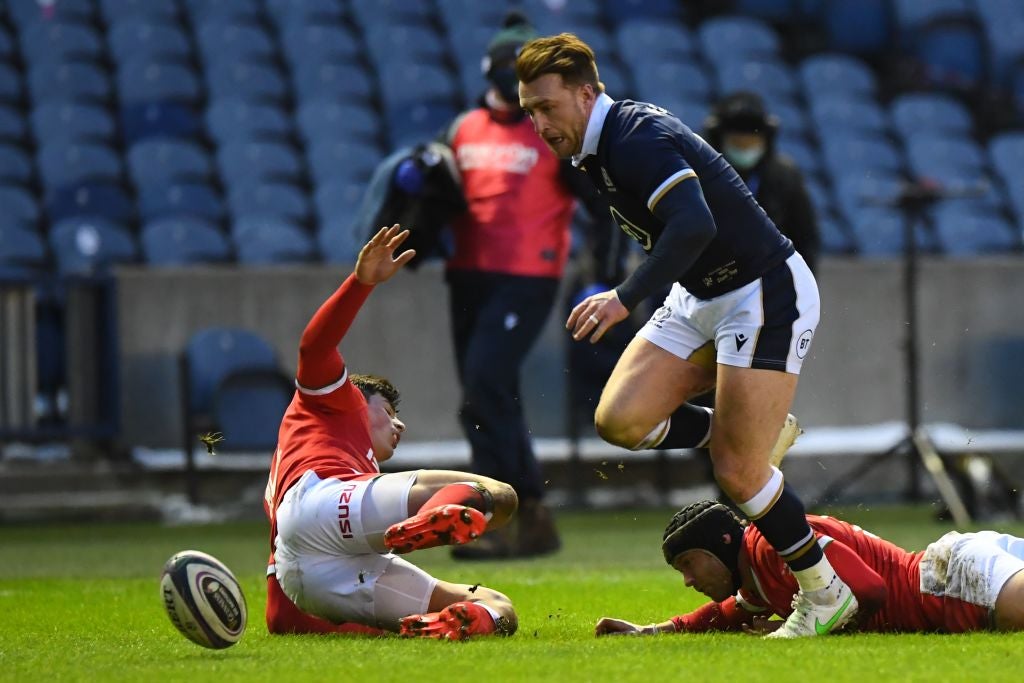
column 82, row 603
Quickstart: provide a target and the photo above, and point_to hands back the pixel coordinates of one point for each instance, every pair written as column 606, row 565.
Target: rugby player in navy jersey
column 740, row 294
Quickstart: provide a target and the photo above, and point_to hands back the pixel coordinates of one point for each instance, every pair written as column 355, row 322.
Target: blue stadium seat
column 862, row 27
column 240, row 10
column 641, row 41
column 407, row 83
column 269, row 241
column 68, row 121
column 880, row 233
column 460, row 15
column 374, row 12
column 820, row 195
column 410, row 43
column 839, row 112
column 12, row 125
column 835, row 236
column 142, row 80
column 769, row 10
column 286, row 13
column 213, row 354
column 348, row 82
column 941, row 157
column 338, row 241
column 10, row 84
column 8, row 50
column 15, row 165
column 857, row 191
column 952, row 53
column 160, row 11
column 149, row 38
column 158, row 162
column 242, row 161
column 763, row 76
column 277, row 200
column 248, row 407
column 792, row 117
column 691, row 112
column 91, row 200
column 416, row 123
column 1003, row 22
column 929, row 112
column 61, row 164
column 351, row 159
column 728, row 38
column 234, row 118
column 183, row 241
column 338, row 200
column 226, row 40
column 20, row 247
column 684, row 80
column 248, row 80
column 800, row 151
column 617, row 81
column 315, row 44
column 971, row 233
column 24, row 13
column 579, row 10
column 619, row 11
column 853, row 152
column 1006, row 151
column 469, row 46
column 1015, row 195
column 834, row 74
column 86, row 246
column 325, row 119
column 20, row 206
column 144, row 120
column 68, row 81
column 181, row 199
column 59, row 42
column 911, row 15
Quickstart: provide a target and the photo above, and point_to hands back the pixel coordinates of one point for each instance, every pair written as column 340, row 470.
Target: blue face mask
column 743, row 159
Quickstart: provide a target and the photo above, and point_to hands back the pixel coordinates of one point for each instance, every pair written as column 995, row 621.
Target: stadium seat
column 68, row 81
column 820, row 196
column 374, row 12
column 91, row 200
column 10, row 84
column 800, row 151
column 286, row 13
column 1004, row 32
column 248, row 407
column 857, row 191
column 763, row 76
column 1006, row 151
column 20, row 207
column 315, row 44
column 225, row 40
column 144, row 120
column 459, row 15
column 792, row 117
column 242, row 161
column 142, row 80
column 939, row 156
column 338, row 199
column 71, row 121
column 590, row 11
column 183, row 241
column 971, row 233
column 835, row 74
column 919, row 112
column 12, row 125
column 655, row 82
column 202, row 11
column 843, row 153
column 403, row 84
column 148, row 38
column 416, row 123
column 248, row 80
column 234, row 118
column 617, row 81
column 344, row 82
column 25, row 13
column 181, row 199
column 386, row 43
column 911, row 15
column 880, row 232
column 15, row 165
column 70, row 164
column 156, row 162
column 835, row 236
column 324, row 120
column 277, row 200
column 87, row 246
column 840, row 112
column 730, row 38
column 619, row 11
column 952, row 53
column 270, row 241
column 59, row 42
column 158, row 11
column 339, row 241
column 781, row 11
column 8, row 50
column 350, row 159
column 20, row 247
column 641, row 41
column 862, row 27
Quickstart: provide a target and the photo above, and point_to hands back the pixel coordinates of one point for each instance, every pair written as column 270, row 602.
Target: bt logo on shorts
column 344, row 523
column 803, row 344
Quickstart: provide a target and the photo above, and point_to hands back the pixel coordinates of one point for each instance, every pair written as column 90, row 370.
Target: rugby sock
column 688, row 427
column 779, row 515
column 467, row 493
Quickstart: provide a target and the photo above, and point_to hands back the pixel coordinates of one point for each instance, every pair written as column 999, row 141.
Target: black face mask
column 505, row 81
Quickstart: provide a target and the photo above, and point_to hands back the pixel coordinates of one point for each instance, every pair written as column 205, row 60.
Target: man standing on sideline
column 740, row 294
column 511, row 248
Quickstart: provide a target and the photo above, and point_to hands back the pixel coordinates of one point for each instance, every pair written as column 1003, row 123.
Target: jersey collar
column 594, row 126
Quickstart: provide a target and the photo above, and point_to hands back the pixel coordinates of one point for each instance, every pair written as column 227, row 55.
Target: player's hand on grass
column 607, row 626
column 377, row 261
column 595, row 315
column 762, row 626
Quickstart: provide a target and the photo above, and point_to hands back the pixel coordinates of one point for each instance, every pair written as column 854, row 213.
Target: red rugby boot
column 444, row 525
column 458, row 621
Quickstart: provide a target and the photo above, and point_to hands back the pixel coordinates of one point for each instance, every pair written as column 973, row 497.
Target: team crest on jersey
column 609, row 185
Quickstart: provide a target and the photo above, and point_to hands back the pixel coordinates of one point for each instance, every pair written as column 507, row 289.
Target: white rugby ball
column 203, row 599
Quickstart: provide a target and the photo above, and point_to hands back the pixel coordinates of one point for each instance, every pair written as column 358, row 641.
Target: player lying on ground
column 961, row 582
column 334, row 517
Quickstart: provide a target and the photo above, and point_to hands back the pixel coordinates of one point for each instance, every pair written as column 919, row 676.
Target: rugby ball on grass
column 203, row 599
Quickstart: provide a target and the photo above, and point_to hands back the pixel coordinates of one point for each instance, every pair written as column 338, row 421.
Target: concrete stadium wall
column 971, row 343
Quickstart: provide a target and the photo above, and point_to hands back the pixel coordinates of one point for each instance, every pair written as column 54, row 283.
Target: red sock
column 465, row 493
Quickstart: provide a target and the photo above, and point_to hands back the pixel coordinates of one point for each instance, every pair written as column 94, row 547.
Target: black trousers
column 496, row 319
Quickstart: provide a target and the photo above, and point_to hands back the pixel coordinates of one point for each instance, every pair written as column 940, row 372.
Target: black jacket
column 778, row 185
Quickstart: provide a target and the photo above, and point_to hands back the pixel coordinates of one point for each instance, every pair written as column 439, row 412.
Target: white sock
column 655, row 437
column 820, row 578
column 490, row 610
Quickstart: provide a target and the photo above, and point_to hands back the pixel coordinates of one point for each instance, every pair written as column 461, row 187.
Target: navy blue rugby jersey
column 643, row 150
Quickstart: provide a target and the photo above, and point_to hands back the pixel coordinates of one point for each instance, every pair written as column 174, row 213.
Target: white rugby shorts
column 972, row 567
column 767, row 324
column 330, row 558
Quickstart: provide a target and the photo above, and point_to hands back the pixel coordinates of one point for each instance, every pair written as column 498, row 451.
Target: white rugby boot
column 787, row 437
column 810, row 618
